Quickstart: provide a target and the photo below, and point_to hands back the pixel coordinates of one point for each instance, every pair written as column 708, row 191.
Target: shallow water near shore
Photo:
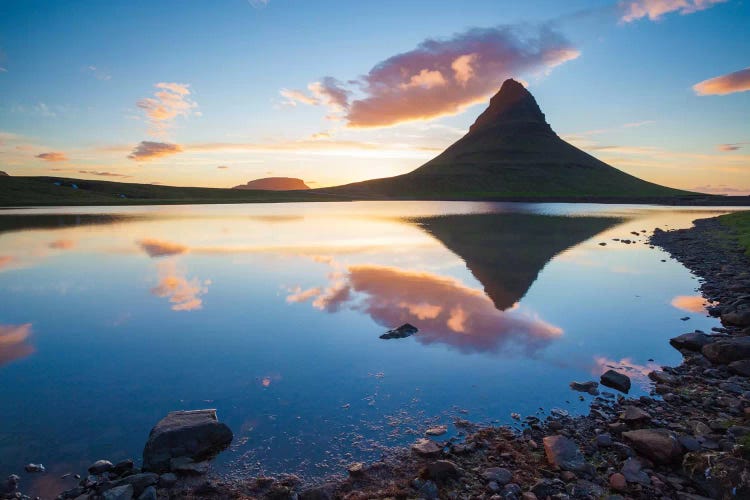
column 112, row 317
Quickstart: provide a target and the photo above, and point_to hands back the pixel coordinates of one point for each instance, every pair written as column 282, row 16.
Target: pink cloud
column 148, row 150
column 739, row 81
column 442, row 76
column 170, row 101
column 52, row 156
column 656, row 9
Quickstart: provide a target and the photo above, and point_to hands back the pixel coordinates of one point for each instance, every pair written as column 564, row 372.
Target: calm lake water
column 112, row 317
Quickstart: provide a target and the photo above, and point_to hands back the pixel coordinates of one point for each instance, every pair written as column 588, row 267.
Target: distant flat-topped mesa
column 510, row 152
column 275, row 184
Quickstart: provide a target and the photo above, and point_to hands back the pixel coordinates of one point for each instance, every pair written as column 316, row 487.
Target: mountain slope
column 510, row 152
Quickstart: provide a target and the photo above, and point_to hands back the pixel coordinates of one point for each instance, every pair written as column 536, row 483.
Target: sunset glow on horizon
column 205, row 94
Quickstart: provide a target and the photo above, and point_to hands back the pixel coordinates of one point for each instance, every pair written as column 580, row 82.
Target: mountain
column 510, row 152
column 275, row 184
column 506, row 252
column 3, row 174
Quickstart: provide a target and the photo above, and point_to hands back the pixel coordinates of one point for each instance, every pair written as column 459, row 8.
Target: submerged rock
column 438, row 430
column 196, row 434
column 591, row 387
column 405, row 330
column 616, row 380
column 35, row 468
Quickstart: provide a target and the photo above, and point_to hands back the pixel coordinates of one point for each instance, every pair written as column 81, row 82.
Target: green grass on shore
column 740, row 223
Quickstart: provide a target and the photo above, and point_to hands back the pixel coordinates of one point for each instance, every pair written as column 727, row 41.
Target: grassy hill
column 50, row 191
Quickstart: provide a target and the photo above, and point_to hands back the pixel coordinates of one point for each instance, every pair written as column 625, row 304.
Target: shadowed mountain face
column 506, row 252
column 275, row 184
column 3, row 174
column 509, row 151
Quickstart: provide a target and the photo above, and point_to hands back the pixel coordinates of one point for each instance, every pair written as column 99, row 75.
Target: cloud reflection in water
column 444, row 310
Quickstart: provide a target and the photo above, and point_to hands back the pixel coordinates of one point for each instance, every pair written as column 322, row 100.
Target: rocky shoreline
column 689, row 440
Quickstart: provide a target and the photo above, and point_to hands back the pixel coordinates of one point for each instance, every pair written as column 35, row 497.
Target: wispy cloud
column 171, row 100
column 98, row 73
column 258, row 4
column 656, row 9
column 148, row 150
column 731, row 147
column 739, row 81
column 101, row 173
column 440, row 76
column 52, row 156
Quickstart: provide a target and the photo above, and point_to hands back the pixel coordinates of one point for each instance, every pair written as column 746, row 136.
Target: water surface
column 112, row 317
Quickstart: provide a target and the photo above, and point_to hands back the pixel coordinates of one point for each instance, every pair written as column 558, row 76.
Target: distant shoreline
column 20, row 192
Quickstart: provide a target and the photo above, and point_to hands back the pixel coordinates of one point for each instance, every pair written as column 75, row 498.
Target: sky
column 219, row 93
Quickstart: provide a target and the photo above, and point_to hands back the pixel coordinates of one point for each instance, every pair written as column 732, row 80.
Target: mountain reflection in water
column 505, row 252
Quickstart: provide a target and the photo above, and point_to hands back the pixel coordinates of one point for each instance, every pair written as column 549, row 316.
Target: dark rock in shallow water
column 35, row 468
column 658, row 445
column 591, row 387
column 693, row 341
column 405, row 330
column 197, row 434
column 616, row 380
column 728, row 350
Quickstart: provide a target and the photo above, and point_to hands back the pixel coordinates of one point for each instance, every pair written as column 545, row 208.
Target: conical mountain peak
column 512, row 104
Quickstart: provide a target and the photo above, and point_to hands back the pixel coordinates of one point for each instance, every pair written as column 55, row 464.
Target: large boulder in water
column 196, row 434
column 616, row 380
column 693, row 341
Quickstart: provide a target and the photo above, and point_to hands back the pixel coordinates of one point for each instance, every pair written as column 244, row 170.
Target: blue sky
column 243, row 86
